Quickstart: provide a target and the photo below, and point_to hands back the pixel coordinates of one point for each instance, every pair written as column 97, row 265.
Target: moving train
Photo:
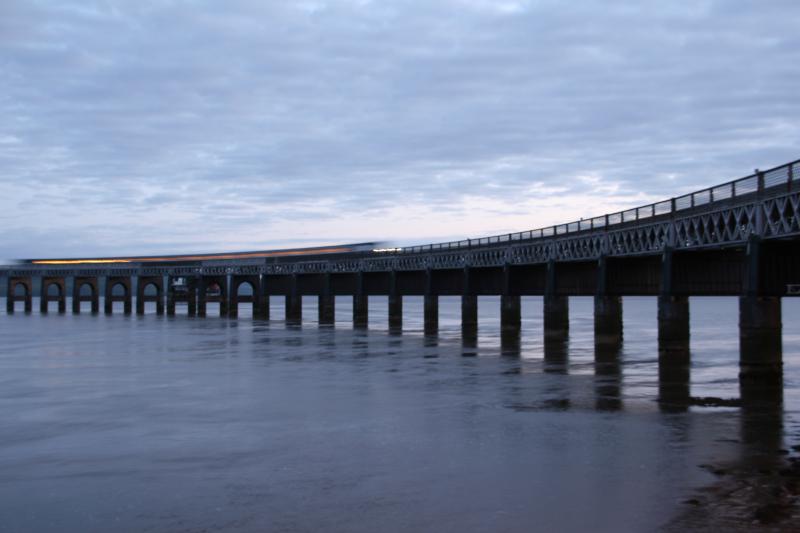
column 256, row 256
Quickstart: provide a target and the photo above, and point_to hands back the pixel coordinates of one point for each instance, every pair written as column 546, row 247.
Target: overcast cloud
column 150, row 126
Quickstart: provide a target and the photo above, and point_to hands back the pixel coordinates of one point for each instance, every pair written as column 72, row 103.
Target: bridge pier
column 11, row 297
column 326, row 309
column 142, row 282
column 556, row 316
column 760, row 339
column 510, row 324
column 125, row 298
column 77, row 284
column 431, row 306
column 294, row 303
column 607, row 320
column 326, row 303
column 673, row 323
column 431, row 314
column 263, row 299
column 395, row 313
column 395, row 305
column 469, row 318
column 45, row 297
column 360, row 311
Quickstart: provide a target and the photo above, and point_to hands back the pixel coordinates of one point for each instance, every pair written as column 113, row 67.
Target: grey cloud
column 224, row 115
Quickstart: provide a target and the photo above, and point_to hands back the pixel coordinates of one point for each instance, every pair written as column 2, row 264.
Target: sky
column 202, row 126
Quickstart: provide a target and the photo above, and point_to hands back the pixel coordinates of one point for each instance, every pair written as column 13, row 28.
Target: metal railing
column 779, row 179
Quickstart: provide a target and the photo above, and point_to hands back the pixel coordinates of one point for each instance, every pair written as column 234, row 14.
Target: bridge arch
column 150, row 289
column 212, row 288
column 85, row 289
column 19, row 289
column 53, row 289
column 246, row 289
column 118, row 289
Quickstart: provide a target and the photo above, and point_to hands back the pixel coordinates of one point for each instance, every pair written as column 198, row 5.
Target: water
column 184, row 424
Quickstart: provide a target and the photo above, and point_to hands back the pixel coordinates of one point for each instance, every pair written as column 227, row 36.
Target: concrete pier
column 294, row 303
column 760, row 342
column 326, row 309
column 607, row 320
column 673, row 323
column 556, row 316
column 469, row 317
column 46, row 297
column 360, row 311
column 510, row 314
column 431, row 313
column 395, row 313
column 294, row 308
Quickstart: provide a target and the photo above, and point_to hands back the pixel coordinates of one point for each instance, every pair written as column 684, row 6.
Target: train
column 251, row 256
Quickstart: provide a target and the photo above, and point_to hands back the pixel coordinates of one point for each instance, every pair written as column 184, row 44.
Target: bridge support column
column 126, row 298
column 94, row 297
column 674, row 357
column 607, row 320
column 673, row 323
column 360, row 310
column 431, row 313
column 326, row 309
column 556, row 316
column 11, row 297
column 326, row 304
column 395, row 305
column 760, row 342
column 556, row 307
column 360, row 304
column 262, row 310
column 510, row 314
column 395, row 313
column 45, row 297
column 294, row 303
column 431, row 306
column 469, row 317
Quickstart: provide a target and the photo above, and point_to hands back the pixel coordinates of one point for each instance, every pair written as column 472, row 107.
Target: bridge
column 740, row 238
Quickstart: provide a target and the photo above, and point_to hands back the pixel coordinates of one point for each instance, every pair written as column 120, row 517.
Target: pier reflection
column 674, row 362
column 608, row 376
column 556, row 354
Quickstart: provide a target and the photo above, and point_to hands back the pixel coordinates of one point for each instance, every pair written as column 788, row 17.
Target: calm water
column 182, row 424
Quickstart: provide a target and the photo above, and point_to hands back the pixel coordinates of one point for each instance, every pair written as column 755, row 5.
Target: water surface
column 186, row 424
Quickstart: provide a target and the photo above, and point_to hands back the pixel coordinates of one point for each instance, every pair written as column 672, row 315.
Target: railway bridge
column 740, row 238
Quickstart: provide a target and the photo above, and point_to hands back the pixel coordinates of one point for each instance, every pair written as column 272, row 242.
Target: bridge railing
column 775, row 180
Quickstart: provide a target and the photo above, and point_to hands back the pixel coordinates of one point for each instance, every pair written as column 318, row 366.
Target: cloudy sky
column 151, row 126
